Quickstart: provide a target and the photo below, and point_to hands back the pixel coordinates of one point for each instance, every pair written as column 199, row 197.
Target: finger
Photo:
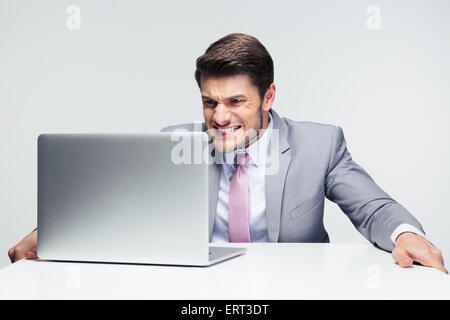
column 441, row 258
column 438, row 266
column 32, row 255
column 402, row 257
column 19, row 253
column 11, row 254
column 430, row 260
column 435, row 252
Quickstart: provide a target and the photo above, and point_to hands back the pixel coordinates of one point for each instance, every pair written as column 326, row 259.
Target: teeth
column 229, row 130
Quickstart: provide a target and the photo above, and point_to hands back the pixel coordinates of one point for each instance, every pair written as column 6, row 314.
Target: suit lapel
column 279, row 158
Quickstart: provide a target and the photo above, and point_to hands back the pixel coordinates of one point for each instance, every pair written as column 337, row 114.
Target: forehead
column 227, row 86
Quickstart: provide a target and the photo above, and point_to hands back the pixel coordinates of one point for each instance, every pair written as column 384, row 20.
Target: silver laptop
column 125, row 198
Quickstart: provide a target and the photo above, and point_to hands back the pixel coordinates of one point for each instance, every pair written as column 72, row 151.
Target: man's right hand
column 27, row 248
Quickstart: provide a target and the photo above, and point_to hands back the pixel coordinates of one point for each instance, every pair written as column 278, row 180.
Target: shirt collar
column 257, row 151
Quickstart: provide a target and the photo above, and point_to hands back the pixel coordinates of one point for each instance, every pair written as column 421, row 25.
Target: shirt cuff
column 405, row 227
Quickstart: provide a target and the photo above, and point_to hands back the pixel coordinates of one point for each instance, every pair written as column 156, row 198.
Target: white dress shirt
column 257, row 152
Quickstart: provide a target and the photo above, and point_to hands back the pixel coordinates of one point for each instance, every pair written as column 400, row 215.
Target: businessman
column 250, row 204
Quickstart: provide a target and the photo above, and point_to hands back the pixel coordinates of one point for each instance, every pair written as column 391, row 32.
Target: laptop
column 125, row 198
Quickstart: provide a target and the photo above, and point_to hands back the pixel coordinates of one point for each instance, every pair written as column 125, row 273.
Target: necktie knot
column 241, row 158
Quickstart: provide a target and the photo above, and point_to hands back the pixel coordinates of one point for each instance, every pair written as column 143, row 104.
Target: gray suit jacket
column 314, row 163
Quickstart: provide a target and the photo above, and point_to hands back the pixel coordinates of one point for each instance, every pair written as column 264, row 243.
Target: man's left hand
column 410, row 247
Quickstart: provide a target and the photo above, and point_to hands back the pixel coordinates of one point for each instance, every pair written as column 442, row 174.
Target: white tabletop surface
column 266, row 271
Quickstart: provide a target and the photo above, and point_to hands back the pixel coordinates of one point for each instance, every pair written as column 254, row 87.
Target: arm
column 376, row 215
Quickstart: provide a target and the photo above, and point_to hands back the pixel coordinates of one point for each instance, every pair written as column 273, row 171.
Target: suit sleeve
column 371, row 210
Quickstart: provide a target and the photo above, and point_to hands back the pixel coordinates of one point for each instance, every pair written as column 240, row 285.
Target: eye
column 209, row 102
column 236, row 100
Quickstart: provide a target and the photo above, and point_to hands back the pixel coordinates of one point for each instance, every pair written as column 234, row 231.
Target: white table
column 267, row 271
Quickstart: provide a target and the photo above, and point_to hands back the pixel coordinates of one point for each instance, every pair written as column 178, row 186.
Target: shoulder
column 313, row 132
column 309, row 126
column 314, row 140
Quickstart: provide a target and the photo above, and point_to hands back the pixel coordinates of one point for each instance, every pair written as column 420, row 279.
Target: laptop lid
column 131, row 198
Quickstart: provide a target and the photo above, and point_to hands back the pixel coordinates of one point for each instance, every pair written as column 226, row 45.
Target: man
column 247, row 203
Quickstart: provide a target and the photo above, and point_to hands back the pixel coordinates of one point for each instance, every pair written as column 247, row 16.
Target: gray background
column 130, row 69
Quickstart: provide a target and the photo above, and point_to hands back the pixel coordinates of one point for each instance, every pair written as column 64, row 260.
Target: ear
column 269, row 97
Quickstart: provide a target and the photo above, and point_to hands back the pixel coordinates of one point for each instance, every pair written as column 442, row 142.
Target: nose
column 221, row 115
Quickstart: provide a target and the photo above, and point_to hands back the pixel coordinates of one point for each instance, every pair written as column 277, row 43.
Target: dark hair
column 234, row 54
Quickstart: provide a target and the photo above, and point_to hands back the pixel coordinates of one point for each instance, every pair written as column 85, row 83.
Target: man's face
column 233, row 111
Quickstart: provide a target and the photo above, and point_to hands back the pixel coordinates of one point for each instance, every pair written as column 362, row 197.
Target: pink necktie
column 239, row 201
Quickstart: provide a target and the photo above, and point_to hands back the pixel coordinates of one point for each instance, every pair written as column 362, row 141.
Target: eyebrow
column 229, row 98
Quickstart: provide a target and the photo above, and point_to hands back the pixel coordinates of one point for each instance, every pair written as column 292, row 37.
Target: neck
column 264, row 125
